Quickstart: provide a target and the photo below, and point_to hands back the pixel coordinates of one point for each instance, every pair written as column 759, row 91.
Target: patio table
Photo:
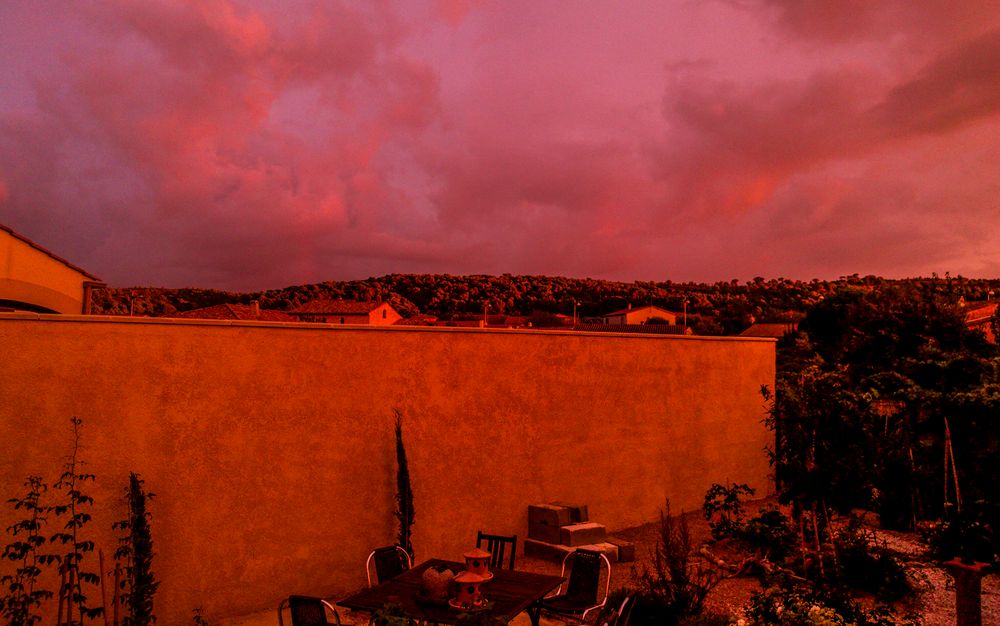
column 509, row 591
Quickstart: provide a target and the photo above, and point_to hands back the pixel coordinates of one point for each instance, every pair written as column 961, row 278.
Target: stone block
column 544, row 532
column 577, row 512
column 626, row 549
column 548, row 514
column 582, row 534
column 545, row 550
column 609, row 550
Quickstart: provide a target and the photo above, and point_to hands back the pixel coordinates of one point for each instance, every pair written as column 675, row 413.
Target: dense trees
column 884, row 396
column 724, row 307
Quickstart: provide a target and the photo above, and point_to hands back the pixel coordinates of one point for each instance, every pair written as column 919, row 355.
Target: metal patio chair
column 390, row 561
column 496, row 545
column 307, row 611
column 583, row 591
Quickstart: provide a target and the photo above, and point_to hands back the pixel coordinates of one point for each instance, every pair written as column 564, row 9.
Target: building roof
column 979, row 311
column 336, row 307
column 245, row 312
column 417, row 320
column 647, row 329
column 50, row 254
column 777, row 330
column 638, row 308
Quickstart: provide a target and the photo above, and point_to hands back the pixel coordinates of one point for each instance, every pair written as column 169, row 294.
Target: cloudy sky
column 254, row 144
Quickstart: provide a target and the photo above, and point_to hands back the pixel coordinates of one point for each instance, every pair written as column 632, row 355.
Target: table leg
column 535, row 613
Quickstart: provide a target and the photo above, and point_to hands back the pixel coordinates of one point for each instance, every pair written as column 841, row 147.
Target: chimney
column 255, row 309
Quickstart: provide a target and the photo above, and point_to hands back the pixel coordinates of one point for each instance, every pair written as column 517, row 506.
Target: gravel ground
column 934, row 601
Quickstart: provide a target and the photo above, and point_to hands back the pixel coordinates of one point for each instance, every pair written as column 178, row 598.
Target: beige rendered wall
column 29, row 275
column 270, row 447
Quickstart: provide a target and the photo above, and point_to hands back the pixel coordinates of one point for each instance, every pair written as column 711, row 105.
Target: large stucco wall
column 271, row 452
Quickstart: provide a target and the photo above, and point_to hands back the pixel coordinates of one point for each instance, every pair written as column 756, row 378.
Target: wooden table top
column 509, row 591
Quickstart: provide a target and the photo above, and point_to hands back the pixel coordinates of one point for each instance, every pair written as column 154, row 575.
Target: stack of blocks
column 556, row 529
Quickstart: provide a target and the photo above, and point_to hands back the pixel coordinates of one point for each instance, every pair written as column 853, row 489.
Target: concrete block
column 582, row 534
column 548, row 514
column 544, row 550
column 626, row 549
column 610, row 550
column 577, row 512
column 544, row 532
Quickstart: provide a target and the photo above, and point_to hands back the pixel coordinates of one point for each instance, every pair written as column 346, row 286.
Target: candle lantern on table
column 469, row 596
column 477, row 561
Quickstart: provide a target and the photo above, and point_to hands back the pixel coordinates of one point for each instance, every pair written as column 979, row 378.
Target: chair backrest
column 390, row 561
column 585, row 577
column 496, row 545
column 307, row 611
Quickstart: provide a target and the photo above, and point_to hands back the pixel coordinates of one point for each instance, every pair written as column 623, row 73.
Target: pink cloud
column 258, row 144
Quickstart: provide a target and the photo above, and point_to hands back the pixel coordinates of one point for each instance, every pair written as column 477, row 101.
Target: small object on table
column 477, row 561
column 435, row 585
column 469, row 597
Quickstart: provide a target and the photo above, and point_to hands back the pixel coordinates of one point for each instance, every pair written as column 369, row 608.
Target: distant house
column 347, row 312
column 640, row 315
column 34, row 279
column 244, row 312
column 978, row 316
column 776, row 329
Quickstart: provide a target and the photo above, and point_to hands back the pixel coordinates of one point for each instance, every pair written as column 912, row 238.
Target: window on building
column 341, row 320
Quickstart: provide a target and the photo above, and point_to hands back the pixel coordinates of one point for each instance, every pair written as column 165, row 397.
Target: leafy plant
column 76, row 507
column 675, row 586
column 868, row 566
column 135, row 550
column 785, row 604
column 392, row 615
column 404, row 493
column 770, row 531
column 723, row 509
column 968, row 535
column 21, row 596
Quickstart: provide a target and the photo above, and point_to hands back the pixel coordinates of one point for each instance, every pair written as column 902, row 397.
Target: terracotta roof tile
column 336, row 307
column 243, row 312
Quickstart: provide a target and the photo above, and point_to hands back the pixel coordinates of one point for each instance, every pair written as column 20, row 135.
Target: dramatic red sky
column 249, row 145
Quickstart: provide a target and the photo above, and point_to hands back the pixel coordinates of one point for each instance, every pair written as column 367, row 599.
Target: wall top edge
column 170, row 321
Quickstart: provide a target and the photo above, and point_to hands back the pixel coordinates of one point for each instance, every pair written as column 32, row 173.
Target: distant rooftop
column 336, row 307
column 245, row 312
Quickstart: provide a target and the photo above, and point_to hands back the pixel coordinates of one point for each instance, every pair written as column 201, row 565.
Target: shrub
column 967, row 535
column 867, row 566
column 770, row 531
column 723, row 509
column 788, row 605
column 674, row 587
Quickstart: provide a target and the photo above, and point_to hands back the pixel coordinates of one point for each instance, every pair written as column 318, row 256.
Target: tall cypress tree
column 404, row 493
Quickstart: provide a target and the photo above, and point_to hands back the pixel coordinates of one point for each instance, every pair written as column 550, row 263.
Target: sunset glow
column 256, row 144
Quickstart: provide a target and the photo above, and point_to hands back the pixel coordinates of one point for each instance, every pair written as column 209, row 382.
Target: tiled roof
column 336, row 307
column 649, row 329
column 417, row 320
column 243, row 312
column 44, row 251
column 979, row 311
column 638, row 308
column 778, row 330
